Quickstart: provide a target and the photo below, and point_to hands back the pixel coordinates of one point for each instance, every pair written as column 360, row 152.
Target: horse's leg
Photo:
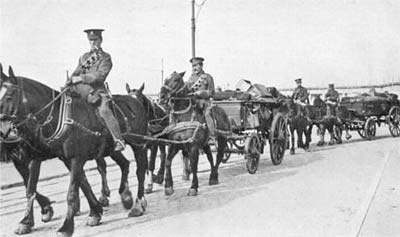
column 141, row 166
column 299, row 132
column 169, row 183
column 186, row 166
column 213, row 178
column 331, row 135
column 307, row 132
column 151, row 167
column 26, row 224
column 220, row 154
column 44, row 202
column 78, row 178
column 292, row 149
column 124, row 192
column 321, row 141
column 161, row 170
column 105, row 190
column 194, row 160
column 348, row 135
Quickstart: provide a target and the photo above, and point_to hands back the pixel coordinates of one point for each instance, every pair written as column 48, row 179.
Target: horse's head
column 9, row 102
column 137, row 94
column 174, row 86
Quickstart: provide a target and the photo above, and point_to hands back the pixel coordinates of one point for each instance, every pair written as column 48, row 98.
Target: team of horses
column 31, row 111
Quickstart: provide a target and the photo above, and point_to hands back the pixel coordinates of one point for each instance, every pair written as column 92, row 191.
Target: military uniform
column 300, row 94
column 93, row 69
column 332, row 97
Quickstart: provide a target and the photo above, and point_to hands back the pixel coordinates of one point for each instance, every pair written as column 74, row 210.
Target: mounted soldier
column 300, row 97
column 201, row 85
column 332, row 100
column 89, row 77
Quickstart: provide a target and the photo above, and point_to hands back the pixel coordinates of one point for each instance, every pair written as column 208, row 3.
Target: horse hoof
column 139, row 208
column 149, row 189
column 78, row 213
column 331, row 143
column 23, row 229
column 127, row 200
column 93, row 221
column 320, row 143
column 63, row 234
column 348, row 137
column 292, row 152
column 46, row 217
column 104, row 201
column 169, row 191
column 213, row 182
column 192, row 192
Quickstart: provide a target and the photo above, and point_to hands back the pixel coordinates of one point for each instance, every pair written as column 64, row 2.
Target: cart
column 365, row 112
column 254, row 123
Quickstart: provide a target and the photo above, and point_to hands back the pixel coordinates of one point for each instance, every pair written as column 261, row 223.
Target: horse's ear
column 11, row 72
column 182, row 74
column 141, row 88
column 128, row 88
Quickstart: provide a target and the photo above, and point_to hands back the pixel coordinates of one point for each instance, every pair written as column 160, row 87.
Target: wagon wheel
column 393, row 120
column 227, row 152
column 252, row 152
column 370, row 129
column 278, row 138
column 361, row 132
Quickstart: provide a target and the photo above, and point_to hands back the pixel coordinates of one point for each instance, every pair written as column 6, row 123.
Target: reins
column 51, row 103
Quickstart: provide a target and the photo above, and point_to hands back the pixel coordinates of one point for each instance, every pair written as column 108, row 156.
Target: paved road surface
column 351, row 189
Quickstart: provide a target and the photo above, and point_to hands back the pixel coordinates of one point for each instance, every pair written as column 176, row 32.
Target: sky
column 346, row 42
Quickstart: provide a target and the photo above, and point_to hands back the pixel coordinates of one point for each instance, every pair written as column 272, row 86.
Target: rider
column 300, row 96
column 332, row 100
column 202, row 86
column 93, row 69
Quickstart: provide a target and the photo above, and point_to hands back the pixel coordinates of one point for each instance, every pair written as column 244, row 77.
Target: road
column 352, row 189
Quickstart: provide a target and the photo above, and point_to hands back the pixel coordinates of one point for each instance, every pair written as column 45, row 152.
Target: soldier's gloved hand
column 76, row 80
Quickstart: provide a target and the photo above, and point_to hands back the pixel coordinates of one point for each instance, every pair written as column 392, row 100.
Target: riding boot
column 112, row 124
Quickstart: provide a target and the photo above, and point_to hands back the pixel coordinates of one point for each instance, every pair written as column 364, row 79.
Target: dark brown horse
column 298, row 122
column 189, row 131
column 158, row 118
column 25, row 110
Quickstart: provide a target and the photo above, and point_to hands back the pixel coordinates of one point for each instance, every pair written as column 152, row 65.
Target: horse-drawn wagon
column 366, row 111
column 254, row 122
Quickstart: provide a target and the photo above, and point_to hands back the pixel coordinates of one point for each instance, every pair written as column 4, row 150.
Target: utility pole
column 193, row 30
column 162, row 71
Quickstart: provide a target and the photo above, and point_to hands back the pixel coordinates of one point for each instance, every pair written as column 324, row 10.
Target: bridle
column 21, row 97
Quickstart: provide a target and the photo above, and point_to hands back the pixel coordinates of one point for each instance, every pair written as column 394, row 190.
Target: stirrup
column 119, row 145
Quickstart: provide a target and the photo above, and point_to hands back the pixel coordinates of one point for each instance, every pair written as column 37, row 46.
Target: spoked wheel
column 370, row 129
column 278, row 138
column 227, row 152
column 252, row 150
column 393, row 120
column 361, row 132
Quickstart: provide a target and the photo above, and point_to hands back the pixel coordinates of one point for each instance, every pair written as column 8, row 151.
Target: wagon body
column 253, row 123
column 365, row 112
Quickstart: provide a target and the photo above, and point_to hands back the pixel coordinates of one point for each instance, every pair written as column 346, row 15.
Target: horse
column 319, row 117
column 29, row 112
column 298, row 122
column 188, row 131
column 158, row 119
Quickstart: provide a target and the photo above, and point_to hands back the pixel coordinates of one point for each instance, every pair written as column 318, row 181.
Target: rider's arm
column 99, row 76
